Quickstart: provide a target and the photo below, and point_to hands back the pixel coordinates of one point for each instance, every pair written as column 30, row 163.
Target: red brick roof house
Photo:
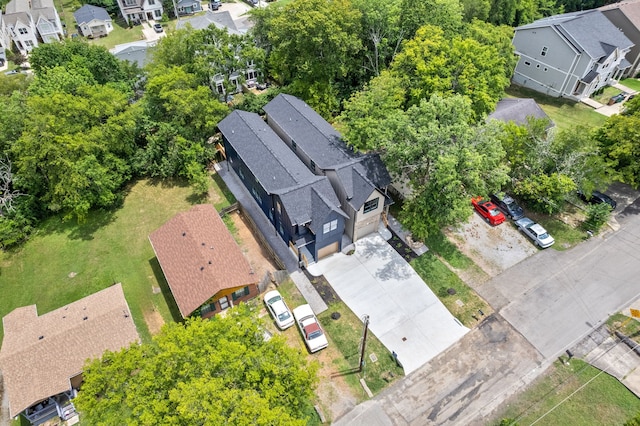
column 204, row 267
column 42, row 356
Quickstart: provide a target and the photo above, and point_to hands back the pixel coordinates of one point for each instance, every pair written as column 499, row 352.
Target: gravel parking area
column 493, row 248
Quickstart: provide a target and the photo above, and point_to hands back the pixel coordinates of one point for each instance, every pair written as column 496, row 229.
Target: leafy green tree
column 445, row 14
column 445, row 159
column 214, row 372
column 431, row 63
column 313, row 46
column 364, row 119
column 498, row 36
column 597, row 216
column 475, row 9
column 619, row 140
column 75, row 55
column 72, row 153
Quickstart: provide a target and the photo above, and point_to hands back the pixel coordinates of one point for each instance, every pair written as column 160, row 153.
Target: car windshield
column 494, row 212
column 273, row 300
column 284, row 316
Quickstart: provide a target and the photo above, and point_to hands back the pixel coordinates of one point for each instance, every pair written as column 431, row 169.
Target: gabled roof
column 17, row 6
column 199, row 257
column 630, row 9
column 40, row 354
column 517, row 110
column 222, row 20
column 88, row 13
column 319, row 140
column 268, row 157
column 589, row 31
column 310, row 202
column 355, row 184
column 134, row 52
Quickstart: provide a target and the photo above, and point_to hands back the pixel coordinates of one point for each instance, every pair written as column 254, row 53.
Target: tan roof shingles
column 199, row 257
column 36, row 368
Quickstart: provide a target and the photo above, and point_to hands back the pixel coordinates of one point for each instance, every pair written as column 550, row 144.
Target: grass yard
column 346, row 332
column 631, row 83
column 566, row 236
column 602, row 401
column 65, row 9
column 565, row 113
column 121, row 34
column 440, row 279
column 606, row 94
column 628, row 326
column 66, row 261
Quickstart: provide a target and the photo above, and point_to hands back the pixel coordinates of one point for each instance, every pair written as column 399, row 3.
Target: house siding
column 331, row 237
column 215, row 301
column 618, row 18
column 368, row 222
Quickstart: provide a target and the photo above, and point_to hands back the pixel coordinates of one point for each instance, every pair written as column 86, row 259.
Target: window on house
column 224, row 302
column 251, row 75
column 281, row 229
column 240, row 173
column 130, row 3
column 544, row 51
column 538, row 66
column 28, row 43
column 278, row 207
column 157, row 13
column 313, row 166
column 23, row 31
column 294, row 146
column 209, row 307
column 240, row 293
column 371, row 205
column 152, row 2
column 546, row 69
column 329, row 226
column 527, row 63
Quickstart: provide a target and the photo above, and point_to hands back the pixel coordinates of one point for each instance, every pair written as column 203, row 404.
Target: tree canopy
column 210, row 372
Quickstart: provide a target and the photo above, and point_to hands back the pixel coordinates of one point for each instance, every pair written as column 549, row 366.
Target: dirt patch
column 258, row 257
column 154, row 321
column 493, row 248
column 323, row 288
column 335, row 396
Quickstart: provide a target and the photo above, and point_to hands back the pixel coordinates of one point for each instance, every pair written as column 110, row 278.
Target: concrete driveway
column 404, row 313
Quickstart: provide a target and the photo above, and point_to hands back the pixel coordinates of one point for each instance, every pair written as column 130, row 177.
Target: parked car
column 508, row 205
column 598, row 197
column 12, row 72
column 157, row 28
column 214, row 4
column 488, row 211
column 309, row 326
column 617, row 98
column 278, row 309
column 536, row 232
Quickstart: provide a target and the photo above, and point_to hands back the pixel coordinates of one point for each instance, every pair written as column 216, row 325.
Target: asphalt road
column 549, row 302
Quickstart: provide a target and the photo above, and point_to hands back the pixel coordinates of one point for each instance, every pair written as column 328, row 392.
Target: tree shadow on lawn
column 79, row 230
column 166, row 291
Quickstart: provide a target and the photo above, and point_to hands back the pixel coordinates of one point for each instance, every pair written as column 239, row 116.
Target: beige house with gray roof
column 626, row 16
column 28, row 23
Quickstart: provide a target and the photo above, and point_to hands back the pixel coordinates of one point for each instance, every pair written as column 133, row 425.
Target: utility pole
column 365, row 320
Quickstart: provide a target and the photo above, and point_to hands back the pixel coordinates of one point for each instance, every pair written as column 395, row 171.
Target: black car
column 598, row 197
column 214, row 4
column 508, row 205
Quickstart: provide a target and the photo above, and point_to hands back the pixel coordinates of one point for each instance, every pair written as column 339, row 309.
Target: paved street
column 553, row 299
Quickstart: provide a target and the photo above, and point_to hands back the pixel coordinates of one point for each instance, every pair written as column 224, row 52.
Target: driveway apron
column 404, row 313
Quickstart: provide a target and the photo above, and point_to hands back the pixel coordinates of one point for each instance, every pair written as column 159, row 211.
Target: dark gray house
column 359, row 181
column 302, row 206
column 570, row 55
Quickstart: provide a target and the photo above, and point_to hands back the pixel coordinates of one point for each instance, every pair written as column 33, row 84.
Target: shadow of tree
column 166, row 291
column 79, row 230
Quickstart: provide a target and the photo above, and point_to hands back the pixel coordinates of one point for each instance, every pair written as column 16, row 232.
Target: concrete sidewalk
column 405, row 315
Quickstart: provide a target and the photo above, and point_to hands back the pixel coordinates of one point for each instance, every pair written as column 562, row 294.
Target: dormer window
column 545, row 49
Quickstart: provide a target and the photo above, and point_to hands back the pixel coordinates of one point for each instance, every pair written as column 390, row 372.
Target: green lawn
column 606, row 94
column 565, row 113
column 602, row 401
column 66, row 261
column 440, row 279
column 121, row 34
column 566, row 236
column 631, row 83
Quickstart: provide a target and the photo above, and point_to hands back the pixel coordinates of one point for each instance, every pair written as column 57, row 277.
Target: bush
column 597, row 215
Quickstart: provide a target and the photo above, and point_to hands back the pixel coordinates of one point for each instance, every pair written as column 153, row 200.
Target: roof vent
column 203, row 244
column 202, row 268
column 184, row 234
column 85, row 318
column 210, row 262
column 40, row 337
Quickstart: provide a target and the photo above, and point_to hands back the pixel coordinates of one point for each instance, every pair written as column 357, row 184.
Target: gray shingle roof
column 272, row 162
column 221, row 20
column 88, row 13
column 135, row 52
column 588, row 31
column 517, row 110
column 277, row 168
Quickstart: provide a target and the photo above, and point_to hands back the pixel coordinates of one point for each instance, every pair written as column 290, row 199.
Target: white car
column 537, row 233
column 310, row 328
column 278, row 309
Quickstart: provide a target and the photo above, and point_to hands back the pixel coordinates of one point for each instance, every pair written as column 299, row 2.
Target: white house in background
column 134, row 11
column 570, row 55
column 93, row 21
column 5, row 43
column 626, row 16
column 25, row 24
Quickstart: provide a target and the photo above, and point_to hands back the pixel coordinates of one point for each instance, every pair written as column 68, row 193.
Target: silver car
column 537, row 233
